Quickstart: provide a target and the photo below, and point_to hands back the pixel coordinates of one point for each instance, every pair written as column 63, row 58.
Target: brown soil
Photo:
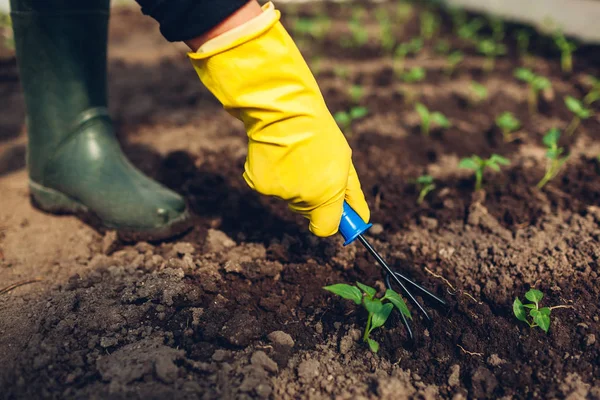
column 235, row 309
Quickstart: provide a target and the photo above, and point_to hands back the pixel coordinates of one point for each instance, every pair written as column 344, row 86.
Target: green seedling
column 566, row 51
column 523, row 38
column 359, row 35
column 425, row 185
column 594, row 94
column 469, row 31
column 580, row 112
column 454, row 58
column 478, row 92
column 555, row 157
column 346, row 118
column 508, row 124
column 490, row 49
column 356, row 93
column 403, row 12
column 428, row 118
column 497, row 26
column 379, row 309
column 538, row 317
column 536, row 84
column 442, row 46
column 386, row 30
column 415, row 74
column 429, row 25
column 341, row 72
column 459, row 18
column 303, row 26
column 413, row 46
column 479, row 165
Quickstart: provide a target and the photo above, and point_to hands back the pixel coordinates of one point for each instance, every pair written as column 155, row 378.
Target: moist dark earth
column 235, row 307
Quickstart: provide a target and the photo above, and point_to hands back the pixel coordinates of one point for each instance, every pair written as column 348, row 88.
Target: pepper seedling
column 594, row 94
column 379, row 309
column 427, row 118
column 403, row 12
column 538, row 317
column 442, row 46
column 536, row 84
column 497, row 26
column 341, row 71
column 359, row 36
column 523, row 38
column 452, row 61
column 356, row 93
column 413, row 46
column 566, row 51
column 554, row 156
column 580, row 112
column 415, row 74
column 468, row 31
column 508, row 124
column 479, row 165
column 425, row 185
column 429, row 25
column 490, row 49
column 346, row 118
column 477, row 93
column 386, row 30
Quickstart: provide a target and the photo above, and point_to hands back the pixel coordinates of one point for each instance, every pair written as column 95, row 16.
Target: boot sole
column 54, row 202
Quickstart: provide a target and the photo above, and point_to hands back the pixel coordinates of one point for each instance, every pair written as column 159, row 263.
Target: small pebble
column 281, row 338
column 590, row 339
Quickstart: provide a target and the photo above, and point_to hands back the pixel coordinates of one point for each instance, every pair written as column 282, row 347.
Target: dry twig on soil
column 19, row 284
column 469, row 352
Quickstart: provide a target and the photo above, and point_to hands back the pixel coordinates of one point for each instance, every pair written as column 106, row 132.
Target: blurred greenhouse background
column 577, row 18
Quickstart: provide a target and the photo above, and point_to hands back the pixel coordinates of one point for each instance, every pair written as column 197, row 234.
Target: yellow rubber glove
column 296, row 151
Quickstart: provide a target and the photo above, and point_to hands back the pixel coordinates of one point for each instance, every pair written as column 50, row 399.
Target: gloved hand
column 296, row 151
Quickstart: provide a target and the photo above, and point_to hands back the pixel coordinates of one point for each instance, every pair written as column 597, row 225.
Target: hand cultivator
column 352, row 227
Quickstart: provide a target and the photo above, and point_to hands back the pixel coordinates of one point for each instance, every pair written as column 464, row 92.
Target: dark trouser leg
column 74, row 160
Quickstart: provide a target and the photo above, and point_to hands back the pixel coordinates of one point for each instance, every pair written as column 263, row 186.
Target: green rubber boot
column 75, row 162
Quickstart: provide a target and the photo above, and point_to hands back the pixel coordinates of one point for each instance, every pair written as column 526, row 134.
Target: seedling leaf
column 534, row 295
column 373, row 305
column 346, row 291
column 440, row 119
column 468, row 163
column 519, row 310
column 425, row 179
column 545, row 310
column 551, row 138
column 367, row 289
column 398, row 302
column 543, row 321
column 382, row 316
column 373, row 345
column 358, row 112
column 499, row 159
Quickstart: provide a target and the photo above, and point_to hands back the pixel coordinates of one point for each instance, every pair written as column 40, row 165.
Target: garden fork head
column 352, row 227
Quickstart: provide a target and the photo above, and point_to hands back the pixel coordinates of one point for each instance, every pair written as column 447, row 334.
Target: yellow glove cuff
column 238, row 35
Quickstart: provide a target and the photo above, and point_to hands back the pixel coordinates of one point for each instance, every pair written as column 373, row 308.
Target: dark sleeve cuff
column 182, row 20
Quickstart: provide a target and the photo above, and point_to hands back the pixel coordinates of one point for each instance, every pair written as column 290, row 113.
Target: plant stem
column 425, row 128
column 368, row 328
column 573, row 126
column 533, row 101
column 566, row 62
column 478, row 179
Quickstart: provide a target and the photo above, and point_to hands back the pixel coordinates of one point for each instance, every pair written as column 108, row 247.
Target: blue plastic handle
column 351, row 225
